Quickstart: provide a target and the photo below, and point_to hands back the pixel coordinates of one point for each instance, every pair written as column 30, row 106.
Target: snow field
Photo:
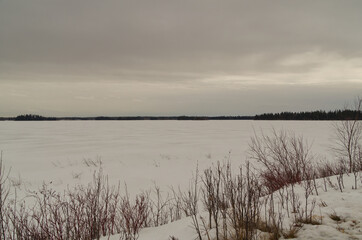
column 145, row 154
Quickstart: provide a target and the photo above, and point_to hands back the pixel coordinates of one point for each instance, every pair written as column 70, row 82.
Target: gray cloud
column 111, row 98
column 199, row 45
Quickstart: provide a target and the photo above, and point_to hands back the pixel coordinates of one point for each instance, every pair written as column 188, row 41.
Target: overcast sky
column 192, row 57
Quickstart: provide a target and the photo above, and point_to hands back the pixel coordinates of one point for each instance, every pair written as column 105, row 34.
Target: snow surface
column 144, row 153
column 140, row 153
column 347, row 205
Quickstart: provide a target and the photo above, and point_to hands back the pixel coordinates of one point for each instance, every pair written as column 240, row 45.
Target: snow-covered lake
column 140, row 153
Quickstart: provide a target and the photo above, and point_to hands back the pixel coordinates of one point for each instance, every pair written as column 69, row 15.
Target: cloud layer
column 199, row 57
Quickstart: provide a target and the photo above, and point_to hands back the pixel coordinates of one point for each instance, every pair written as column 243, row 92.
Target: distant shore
column 296, row 116
column 128, row 118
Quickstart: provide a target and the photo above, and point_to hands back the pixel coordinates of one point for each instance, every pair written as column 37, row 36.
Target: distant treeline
column 178, row 118
column 315, row 115
column 31, row 117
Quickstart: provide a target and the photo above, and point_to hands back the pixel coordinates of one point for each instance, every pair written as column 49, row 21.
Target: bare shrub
column 175, row 205
column 232, row 202
column 286, row 161
column 286, row 158
column 159, row 208
column 246, row 209
column 135, row 215
column 212, row 195
column 190, row 201
column 348, row 133
column 85, row 212
column 324, row 170
column 4, row 192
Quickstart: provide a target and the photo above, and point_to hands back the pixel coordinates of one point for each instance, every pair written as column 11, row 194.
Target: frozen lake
column 140, row 153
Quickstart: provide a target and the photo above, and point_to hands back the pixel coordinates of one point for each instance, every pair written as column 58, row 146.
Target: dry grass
column 291, row 233
column 335, row 217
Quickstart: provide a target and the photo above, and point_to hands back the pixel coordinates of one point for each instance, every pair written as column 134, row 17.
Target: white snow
column 166, row 153
column 347, row 205
column 139, row 153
